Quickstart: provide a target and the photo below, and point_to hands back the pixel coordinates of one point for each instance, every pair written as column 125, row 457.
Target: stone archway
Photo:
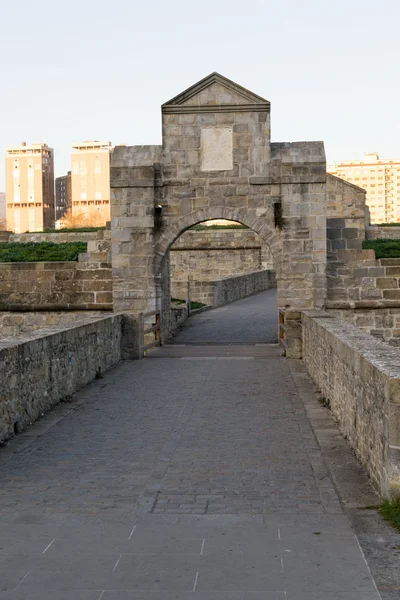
column 217, row 161
column 177, row 229
column 269, row 236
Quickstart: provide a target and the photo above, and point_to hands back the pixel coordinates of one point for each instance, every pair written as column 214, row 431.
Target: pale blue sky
column 87, row 69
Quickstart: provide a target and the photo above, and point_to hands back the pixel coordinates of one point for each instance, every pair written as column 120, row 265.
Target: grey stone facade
column 276, row 189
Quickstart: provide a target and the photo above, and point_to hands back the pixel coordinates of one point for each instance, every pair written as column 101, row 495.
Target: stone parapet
column 58, row 238
column 360, row 376
column 382, row 233
column 41, row 369
column 5, row 236
column 55, row 286
column 19, row 324
column 383, row 322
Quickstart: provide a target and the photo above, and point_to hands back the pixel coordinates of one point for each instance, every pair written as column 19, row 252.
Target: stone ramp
column 177, row 479
column 251, row 320
column 221, row 351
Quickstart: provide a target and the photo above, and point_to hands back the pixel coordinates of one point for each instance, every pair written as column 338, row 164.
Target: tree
column 72, row 220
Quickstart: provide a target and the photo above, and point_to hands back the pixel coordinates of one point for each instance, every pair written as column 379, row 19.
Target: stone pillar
column 132, row 228
column 301, row 169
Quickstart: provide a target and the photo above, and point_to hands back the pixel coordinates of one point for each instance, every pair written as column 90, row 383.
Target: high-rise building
column 90, row 180
column 63, row 195
column 380, row 178
column 29, row 188
column 2, row 207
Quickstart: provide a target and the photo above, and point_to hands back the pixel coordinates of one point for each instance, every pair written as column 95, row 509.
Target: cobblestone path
column 249, row 320
column 193, row 477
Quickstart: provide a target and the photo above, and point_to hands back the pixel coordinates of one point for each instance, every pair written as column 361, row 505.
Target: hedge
column 41, row 251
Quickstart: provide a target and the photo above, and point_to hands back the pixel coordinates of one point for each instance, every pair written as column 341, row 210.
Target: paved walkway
column 186, row 478
column 251, row 320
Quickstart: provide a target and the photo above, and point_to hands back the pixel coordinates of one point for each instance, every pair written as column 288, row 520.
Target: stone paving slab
column 221, row 351
column 177, row 479
column 247, row 321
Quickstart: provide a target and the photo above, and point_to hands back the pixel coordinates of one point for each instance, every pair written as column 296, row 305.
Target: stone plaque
column 216, row 149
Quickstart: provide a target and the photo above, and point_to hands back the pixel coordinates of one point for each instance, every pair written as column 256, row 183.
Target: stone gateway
column 217, row 161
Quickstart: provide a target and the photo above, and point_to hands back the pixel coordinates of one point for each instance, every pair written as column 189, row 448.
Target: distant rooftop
column 369, row 158
column 25, row 149
column 92, row 145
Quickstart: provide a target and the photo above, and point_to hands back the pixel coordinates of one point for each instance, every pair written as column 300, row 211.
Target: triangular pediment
column 213, row 92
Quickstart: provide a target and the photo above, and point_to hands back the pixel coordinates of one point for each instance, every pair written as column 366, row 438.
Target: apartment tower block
column 29, row 187
column 63, row 195
column 90, row 181
column 380, row 178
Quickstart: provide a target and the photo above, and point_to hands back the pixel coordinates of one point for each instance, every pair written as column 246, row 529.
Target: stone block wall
column 177, row 316
column 54, row 286
column 382, row 323
column 276, row 189
column 39, row 371
column 20, row 324
column 364, row 282
column 4, row 236
column 360, row 376
column 208, row 255
column 59, row 238
column 374, row 232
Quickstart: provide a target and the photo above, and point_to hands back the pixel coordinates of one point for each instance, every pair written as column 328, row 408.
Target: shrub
column 41, row 252
column 390, row 511
column 383, row 248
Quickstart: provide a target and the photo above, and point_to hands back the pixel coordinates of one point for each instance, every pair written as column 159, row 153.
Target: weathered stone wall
column 382, row 323
column 82, row 285
column 208, row 255
column 18, row 324
column 40, row 370
column 177, row 316
column 276, row 189
column 364, row 282
column 59, row 238
column 382, row 233
column 355, row 279
column 360, row 376
column 225, row 290
column 55, row 286
column 4, row 236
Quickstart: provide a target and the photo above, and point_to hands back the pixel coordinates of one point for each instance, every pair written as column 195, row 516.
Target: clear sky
column 96, row 69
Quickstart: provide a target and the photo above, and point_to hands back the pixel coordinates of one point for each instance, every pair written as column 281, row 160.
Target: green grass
column 208, row 227
column 193, row 305
column 383, row 248
column 388, row 224
column 41, row 251
column 390, row 511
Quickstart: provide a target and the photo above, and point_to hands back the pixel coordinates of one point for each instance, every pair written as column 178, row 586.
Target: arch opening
column 214, row 263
